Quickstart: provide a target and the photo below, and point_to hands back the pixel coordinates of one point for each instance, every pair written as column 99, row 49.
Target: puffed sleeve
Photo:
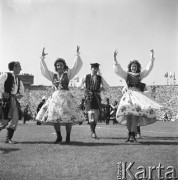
column 148, row 69
column 77, row 65
column 105, row 85
column 119, row 71
column 3, row 78
column 45, row 71
column 21, row 90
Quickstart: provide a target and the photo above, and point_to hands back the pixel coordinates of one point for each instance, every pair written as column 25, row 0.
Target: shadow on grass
column 161, row 138
column 8, row 150
column 158, row 143
column 97, row 143
column 146, row 140
column 36, row 142
column 124, row 138
column 79, row 143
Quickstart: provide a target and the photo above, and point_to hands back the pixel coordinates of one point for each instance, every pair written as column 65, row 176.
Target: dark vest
column 9, row 83
column 135, row 81
column 92, row 93
column 90, row 85
column 63, row 83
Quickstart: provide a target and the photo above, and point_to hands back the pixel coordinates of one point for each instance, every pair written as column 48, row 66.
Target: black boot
column 59, row 137
column 68, row 138
column 129, row 136
column 10, row 133
column 94, row 127
column 139, row 132
column 133, row 136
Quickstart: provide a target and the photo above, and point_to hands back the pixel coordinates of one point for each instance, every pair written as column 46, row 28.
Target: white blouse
column 70, row 73
column 123, row 74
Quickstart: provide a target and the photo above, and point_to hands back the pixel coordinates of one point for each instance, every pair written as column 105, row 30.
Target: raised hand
column 152, row 53
column 78, row 49
column 43, row 52
column 115, row 55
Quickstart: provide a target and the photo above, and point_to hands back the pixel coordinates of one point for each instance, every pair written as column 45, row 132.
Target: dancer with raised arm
column 135, row 107
column 147, row 91
column 61, row 108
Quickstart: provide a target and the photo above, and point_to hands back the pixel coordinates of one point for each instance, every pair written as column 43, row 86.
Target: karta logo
column 143, row 173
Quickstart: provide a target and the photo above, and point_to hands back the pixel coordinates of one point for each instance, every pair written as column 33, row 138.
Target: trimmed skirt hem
column 143, row 121
column 61, row 123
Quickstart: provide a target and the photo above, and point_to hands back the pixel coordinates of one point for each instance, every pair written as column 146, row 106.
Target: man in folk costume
column 11, row 90
column 94, row 84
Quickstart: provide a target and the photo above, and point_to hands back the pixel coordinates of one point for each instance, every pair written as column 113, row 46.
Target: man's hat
column 94, row 65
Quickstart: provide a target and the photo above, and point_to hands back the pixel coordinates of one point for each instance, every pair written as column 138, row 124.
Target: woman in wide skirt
column 135, row 108
column 61, row 108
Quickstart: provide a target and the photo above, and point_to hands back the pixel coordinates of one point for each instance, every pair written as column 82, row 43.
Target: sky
column 99, row 27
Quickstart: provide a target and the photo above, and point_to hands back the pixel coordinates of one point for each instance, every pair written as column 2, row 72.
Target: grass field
column 35, row 157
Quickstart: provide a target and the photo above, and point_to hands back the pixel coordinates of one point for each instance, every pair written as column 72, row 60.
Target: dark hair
column 12, row 64
column 62, row 61
column 138, row 66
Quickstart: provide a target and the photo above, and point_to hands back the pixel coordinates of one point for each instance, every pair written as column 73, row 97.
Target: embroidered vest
column 61, row 84
column 90, row 85
column 135, row 81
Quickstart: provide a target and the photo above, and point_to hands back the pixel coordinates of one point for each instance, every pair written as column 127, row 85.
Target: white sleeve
column 45, row 71
column 21, row 90
column 119, row 71
column 105, row 85
column 77, row 65
column 3, row 78
column 148, row 69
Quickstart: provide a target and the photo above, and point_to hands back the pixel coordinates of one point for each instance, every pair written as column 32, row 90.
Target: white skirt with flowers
column 137, row 104
column 61, row 108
